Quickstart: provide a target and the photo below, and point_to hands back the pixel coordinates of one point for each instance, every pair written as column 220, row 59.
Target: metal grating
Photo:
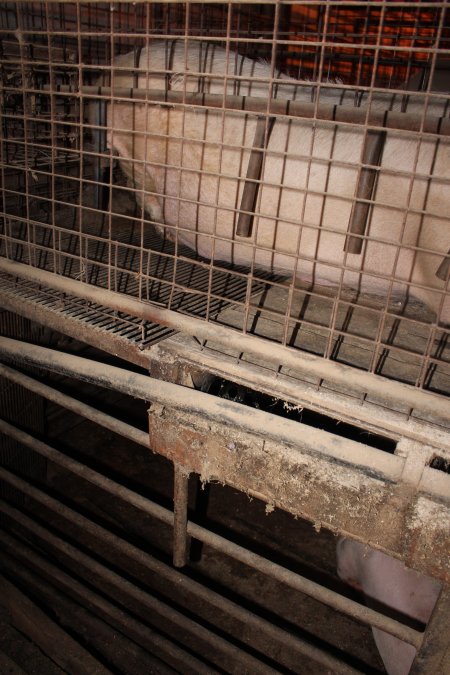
column 312, row 212
column 131, row 253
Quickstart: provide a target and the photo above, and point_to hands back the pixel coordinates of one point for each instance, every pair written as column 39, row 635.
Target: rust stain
column 341, row 498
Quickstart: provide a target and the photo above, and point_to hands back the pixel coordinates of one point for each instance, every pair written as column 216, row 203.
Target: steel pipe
column 153, row 605
column 161, row 647
column 295, row 581
column 150, row 564
column 171, row 395
column 377, row 420
column 83, row 409
column 180, row 515
column 392, row 393
column 324, row 112
column 84, row 472
column 434, row 657
column 27, row 617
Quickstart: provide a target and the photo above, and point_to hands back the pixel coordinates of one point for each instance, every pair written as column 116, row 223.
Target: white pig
column 388, row 581
column 188, row 166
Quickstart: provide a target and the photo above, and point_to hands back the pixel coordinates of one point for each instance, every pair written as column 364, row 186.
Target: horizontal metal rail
column 163, row 648
column 78, row 407
column 157, row 568
column 310, row 439
column 295, row 581
column 340, row 406
column 324, row 112
column 376, row 419
column 49, row 635
column 152, row 604
column 393, row 394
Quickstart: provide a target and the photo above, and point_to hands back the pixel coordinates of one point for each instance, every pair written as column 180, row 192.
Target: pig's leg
column 142, row 181
column 385, row 580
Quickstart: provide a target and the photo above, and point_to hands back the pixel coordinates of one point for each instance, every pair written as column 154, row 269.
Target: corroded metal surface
column 182, row 355
column 366, row 383
column 390, row 501
column 434, row 657
column 397, row 518
column 374, row 363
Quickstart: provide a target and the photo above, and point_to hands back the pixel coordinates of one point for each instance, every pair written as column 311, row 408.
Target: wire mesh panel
column 280, row 168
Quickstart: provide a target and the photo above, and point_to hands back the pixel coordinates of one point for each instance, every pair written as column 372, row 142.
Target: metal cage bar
column 391, row 62
column 271, row 179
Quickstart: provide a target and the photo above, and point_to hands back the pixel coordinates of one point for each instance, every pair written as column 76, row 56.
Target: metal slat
column 175, row 578
column 388, row 390
column 226, row 546
column 332, row 114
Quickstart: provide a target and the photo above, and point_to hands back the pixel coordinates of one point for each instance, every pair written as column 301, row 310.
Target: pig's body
column 388, row 581
column 190, row 164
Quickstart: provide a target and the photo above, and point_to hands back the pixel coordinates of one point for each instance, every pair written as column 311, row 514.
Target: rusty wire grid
column 212, row 205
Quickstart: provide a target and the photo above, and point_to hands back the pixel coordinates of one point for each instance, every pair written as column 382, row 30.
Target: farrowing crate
column 294, row 232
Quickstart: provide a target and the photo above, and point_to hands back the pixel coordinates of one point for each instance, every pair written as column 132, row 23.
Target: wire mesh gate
column 356, row 242
column 310, row 212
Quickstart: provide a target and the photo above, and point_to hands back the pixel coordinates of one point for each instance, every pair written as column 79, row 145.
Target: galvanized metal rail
column 227, row 547
column 313, row 440
column 391, row 392
column 334, row 114
column 178, row 580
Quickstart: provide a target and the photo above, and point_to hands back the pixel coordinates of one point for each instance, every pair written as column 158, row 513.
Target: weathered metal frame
column 241, row 446
column 227, row 547
column 196, row 429
column 15, row 550
column 391, row 392
column 269, row 426
column 183, row 354
column 406, row 477
column 177, row 443
column 333, row 114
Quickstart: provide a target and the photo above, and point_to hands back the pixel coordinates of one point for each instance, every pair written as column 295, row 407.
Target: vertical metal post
column 101, row 172
column 373, row 149
column 434, row 654
column 251, row 186
column 180, row 508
